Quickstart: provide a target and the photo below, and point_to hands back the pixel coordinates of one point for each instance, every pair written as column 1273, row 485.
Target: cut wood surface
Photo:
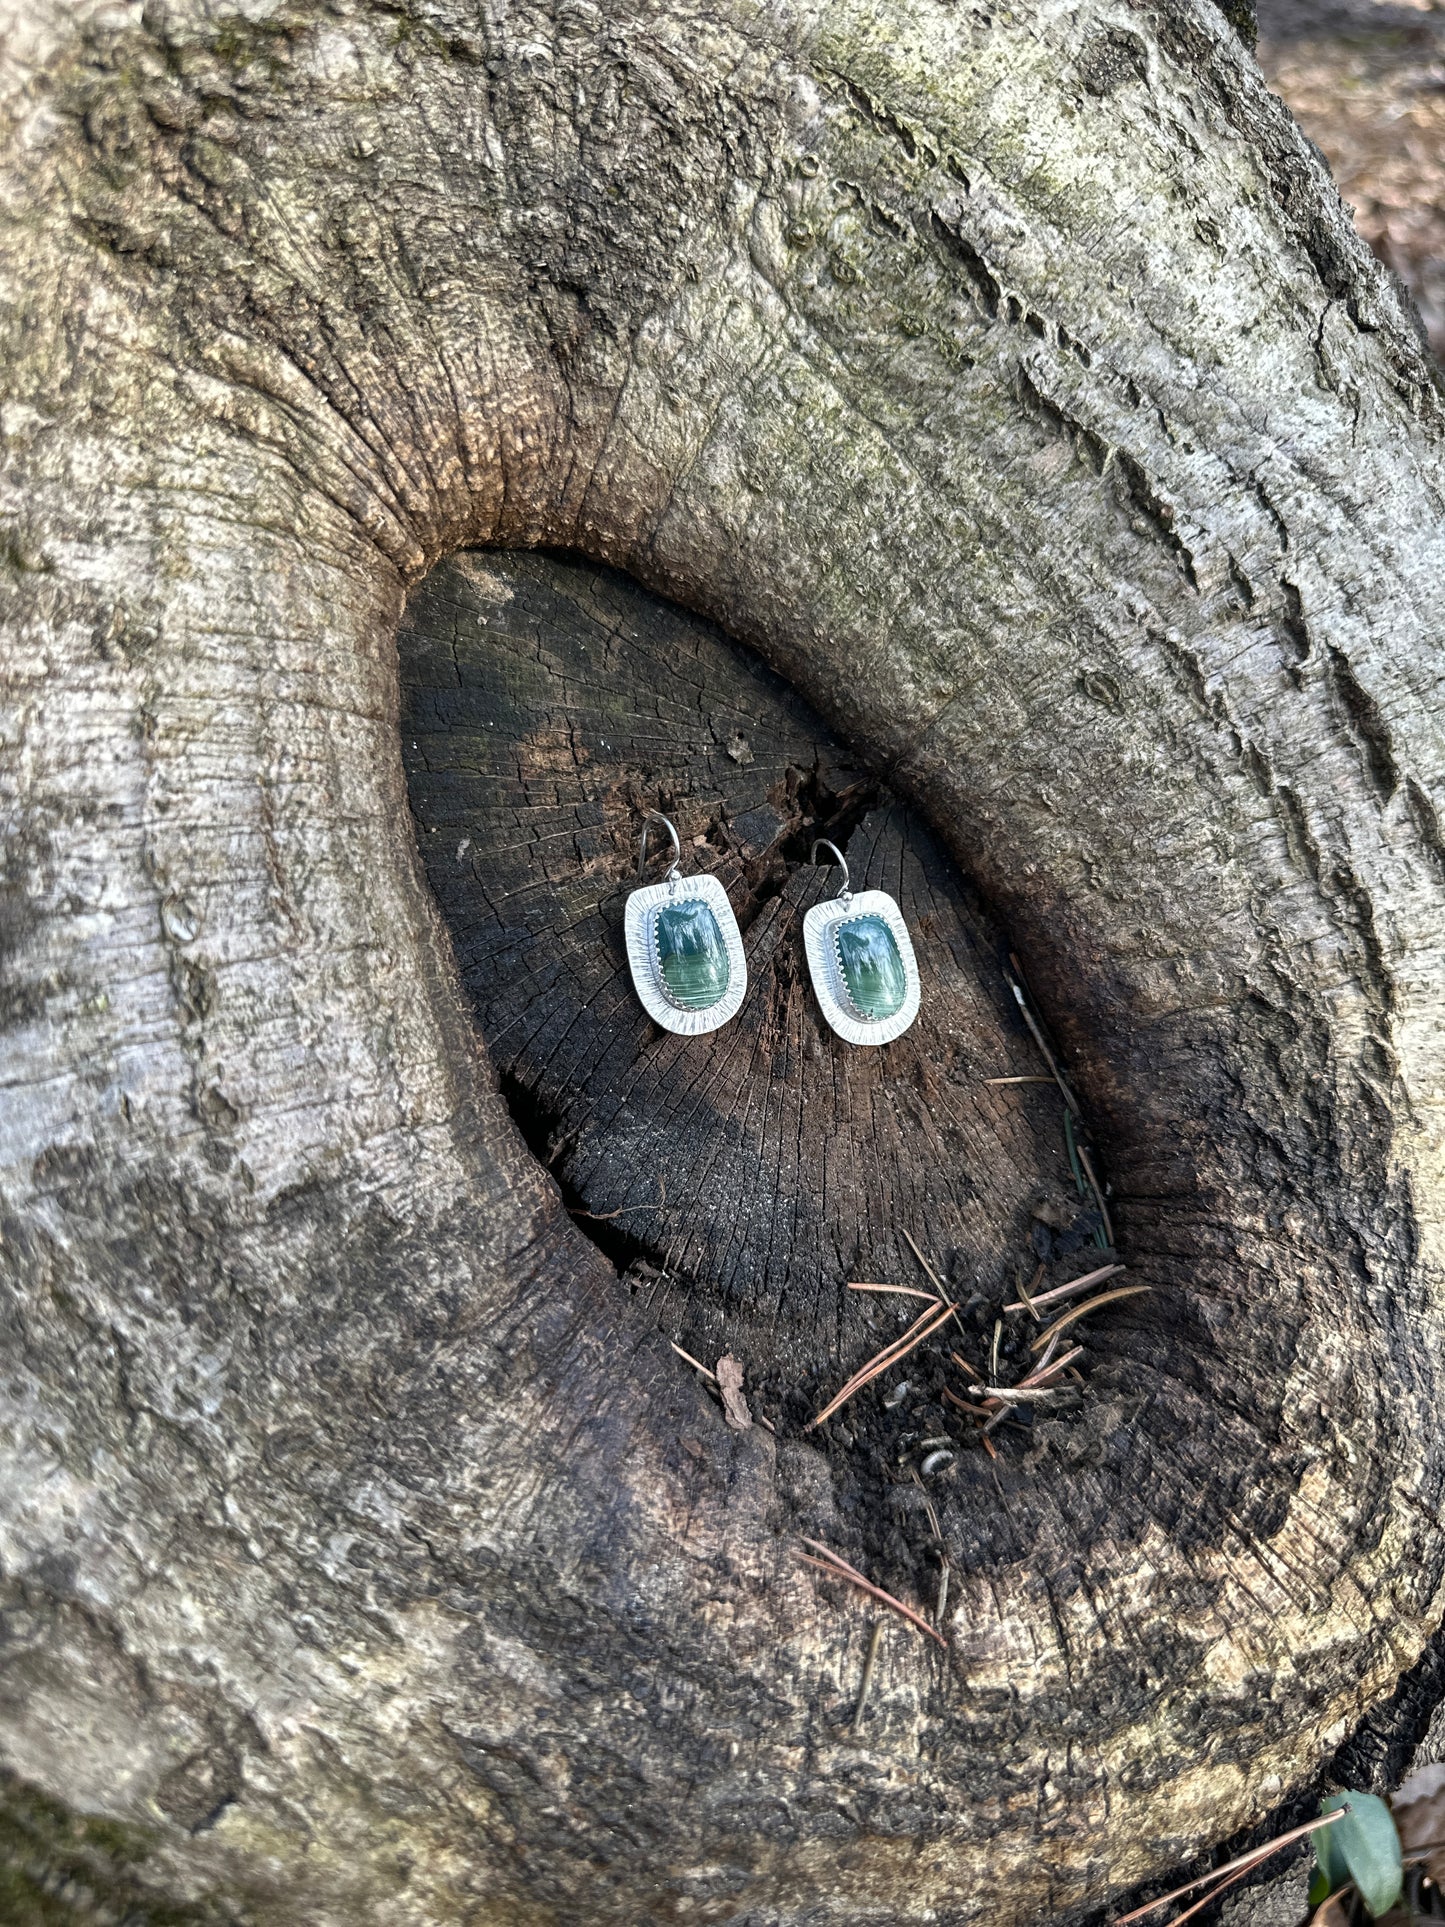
column 740, row 1179
column 1013, row 385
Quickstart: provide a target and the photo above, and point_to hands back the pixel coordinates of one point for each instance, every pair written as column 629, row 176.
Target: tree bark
column 1015, row 386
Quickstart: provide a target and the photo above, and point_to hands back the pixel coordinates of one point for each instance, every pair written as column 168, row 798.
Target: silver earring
column 861, row 959
column 684, row 946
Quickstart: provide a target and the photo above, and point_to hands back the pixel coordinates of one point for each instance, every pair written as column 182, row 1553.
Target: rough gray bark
column 1015, row 386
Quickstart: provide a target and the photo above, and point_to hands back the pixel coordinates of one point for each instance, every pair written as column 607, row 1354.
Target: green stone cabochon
column 691, row 954
column 872, row 968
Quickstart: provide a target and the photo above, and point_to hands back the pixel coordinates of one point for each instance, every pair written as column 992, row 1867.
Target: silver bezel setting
column 820, row 941
column 640, row 934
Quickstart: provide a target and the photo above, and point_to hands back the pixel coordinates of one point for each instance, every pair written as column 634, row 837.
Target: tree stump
column 1012, row 383
column 739, row 1180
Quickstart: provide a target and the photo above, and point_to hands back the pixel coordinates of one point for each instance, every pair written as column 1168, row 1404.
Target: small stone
column 872, row 967
column 691, row 954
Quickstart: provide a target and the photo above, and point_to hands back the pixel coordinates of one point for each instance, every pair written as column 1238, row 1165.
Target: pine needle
column 962, row 1405
column 1082, row 1311
column 1047, row 1370
column 696, row 1364
column 903, row 1291
column 868, row 1668
column 928, row 1271
column 838, row 1568
column 1036, row 1298
column 1030, row 1303
column 1098, row 1191
column 922, row 1327
column 1242, row 1864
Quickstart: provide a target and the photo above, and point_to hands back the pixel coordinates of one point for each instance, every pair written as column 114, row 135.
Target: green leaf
column 1329, row 1860
column 1366, row 1846
column 1319, row 1882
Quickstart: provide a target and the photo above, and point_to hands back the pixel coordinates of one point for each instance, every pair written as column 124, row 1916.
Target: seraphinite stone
column 872, row 967
column 691, row 954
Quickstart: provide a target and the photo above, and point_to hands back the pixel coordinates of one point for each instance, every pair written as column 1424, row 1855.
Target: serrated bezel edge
column 642, row 959
column 824, row 967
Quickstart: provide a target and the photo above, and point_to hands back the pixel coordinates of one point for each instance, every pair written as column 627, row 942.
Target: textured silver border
column 819, row 926
column 642, row 954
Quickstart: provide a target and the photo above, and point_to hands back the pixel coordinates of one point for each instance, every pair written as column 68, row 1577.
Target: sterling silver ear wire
column 656, row 816
column 861, row 960
column 683, row 945
column 845, row 894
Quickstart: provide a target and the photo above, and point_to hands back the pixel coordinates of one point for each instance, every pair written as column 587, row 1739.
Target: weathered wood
column 741, row 1180
column 748, row 1175
column 1013, row 383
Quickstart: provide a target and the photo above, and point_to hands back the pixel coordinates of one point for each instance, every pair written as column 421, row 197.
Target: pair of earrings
column 686, row 953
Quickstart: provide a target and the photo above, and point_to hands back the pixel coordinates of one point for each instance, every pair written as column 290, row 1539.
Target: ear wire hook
column 821, row 843
column 656, row 816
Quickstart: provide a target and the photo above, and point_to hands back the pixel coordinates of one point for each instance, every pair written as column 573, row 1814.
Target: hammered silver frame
column 642, row 954
column 819, row 926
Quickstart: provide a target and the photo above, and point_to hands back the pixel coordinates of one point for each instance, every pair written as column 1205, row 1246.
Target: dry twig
column 1018, row 1394
column 623, row 1210
column 1038, row 1036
